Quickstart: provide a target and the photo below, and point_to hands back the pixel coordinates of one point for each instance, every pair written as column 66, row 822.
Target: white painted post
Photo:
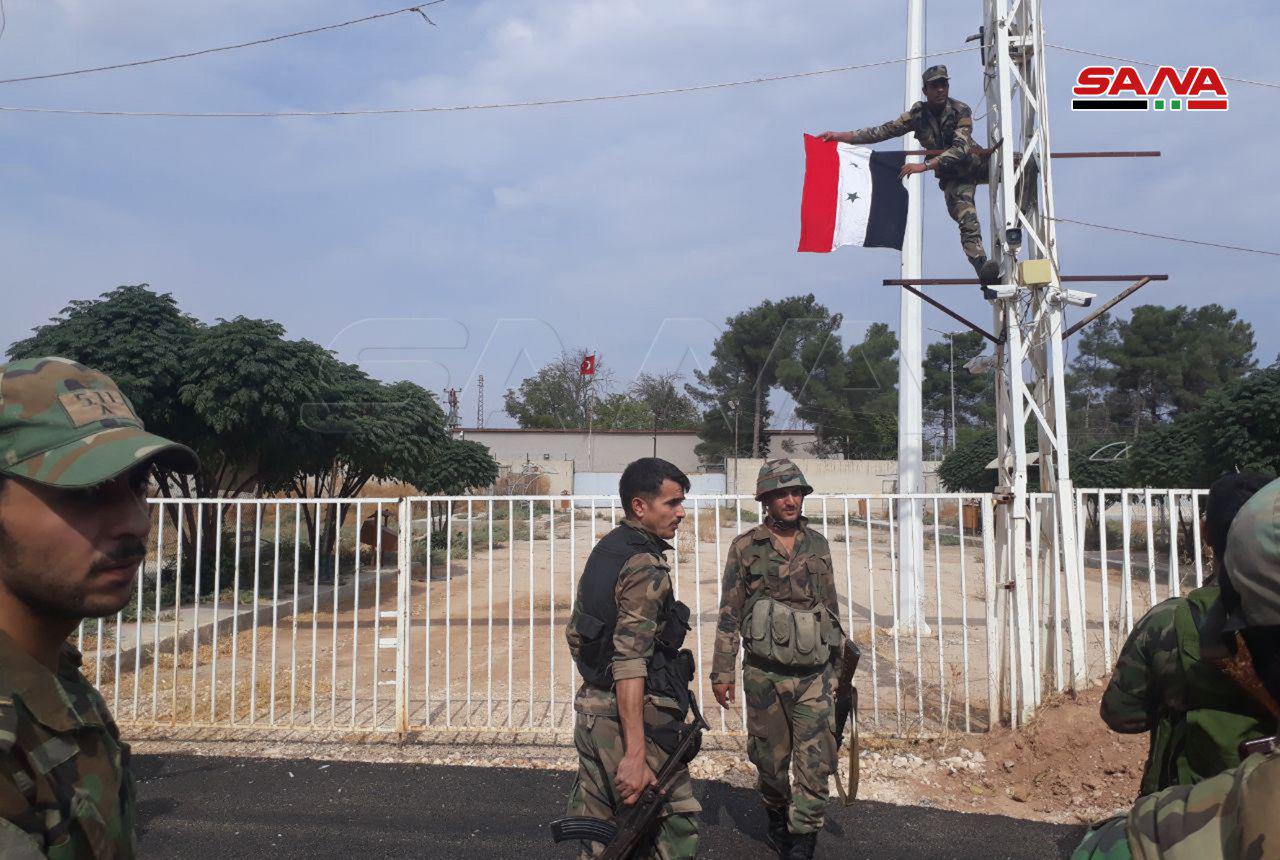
column 910, row 356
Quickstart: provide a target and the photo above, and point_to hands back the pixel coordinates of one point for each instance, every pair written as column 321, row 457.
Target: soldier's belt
column 781, row 668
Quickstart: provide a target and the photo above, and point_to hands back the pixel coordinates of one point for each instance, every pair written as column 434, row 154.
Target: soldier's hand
column 908, row 169
column 724, row 694
column 837, row 136
column 633, row 777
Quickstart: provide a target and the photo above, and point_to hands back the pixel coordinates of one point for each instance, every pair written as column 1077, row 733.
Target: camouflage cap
column 66, row 425
column 779, row 473
column 935, row 73
column 1253, row 559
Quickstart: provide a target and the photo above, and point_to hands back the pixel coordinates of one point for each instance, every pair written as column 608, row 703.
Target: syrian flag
column 852, row 196
column 588, row 366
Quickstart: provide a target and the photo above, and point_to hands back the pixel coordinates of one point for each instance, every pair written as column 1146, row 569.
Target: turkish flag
column 588, row 367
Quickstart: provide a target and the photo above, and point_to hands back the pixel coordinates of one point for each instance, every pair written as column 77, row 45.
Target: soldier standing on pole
column 942, row 123
column 779, row 600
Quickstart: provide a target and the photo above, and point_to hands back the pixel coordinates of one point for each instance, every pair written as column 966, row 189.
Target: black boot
column 802, row 845
column 777, row 836
column 988, row 271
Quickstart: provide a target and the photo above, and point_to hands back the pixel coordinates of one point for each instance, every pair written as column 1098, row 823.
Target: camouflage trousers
column 960, row 206
column 791, row 727
column 599, row 743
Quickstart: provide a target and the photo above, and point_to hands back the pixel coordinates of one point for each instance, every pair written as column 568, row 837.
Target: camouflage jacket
column 1229, row 817
column 1166, row 682
column 950, row 131
column 643, row 587
column 804, row 578
column 65, row 786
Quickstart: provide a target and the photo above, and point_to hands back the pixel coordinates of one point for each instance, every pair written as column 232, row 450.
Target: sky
column 439, row 247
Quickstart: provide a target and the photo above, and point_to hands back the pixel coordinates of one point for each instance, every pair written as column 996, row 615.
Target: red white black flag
column 852, row 196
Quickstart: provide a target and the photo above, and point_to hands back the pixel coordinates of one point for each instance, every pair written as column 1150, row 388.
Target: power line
column 1168, row 238
column 490, row 106
column 416, row 8
column 1269, row 84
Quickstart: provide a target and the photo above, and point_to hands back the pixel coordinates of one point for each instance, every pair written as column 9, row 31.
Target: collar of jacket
column 41, row 691
column 650, row 539
column 762, row 532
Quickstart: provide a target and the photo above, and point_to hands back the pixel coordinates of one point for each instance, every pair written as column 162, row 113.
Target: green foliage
column 1236, row 428
column 964, row 469
column 850, row 397
column 1159, row 364
column 748, row 356
column 557, row 396
column 456, row 465
column 974, row 392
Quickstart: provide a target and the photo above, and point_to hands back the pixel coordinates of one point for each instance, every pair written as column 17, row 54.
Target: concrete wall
column 835, row 476
column 534, row 477
column 604, row 451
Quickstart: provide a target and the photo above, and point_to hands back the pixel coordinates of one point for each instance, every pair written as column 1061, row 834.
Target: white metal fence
column 425, row 613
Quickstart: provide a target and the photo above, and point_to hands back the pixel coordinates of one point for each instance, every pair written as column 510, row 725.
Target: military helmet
column 779, row 473
column 935, row 73
column 1253, row 560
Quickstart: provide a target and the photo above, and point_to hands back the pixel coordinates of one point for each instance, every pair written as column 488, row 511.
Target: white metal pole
column 910, row 395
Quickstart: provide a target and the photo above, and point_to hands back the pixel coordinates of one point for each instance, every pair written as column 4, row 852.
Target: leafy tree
column 138, row 337
column 964, row 468
column 1091, row 381
column 747, row 356
column 850, row 397
column 974, row 392
column 666, row 406
column 458, row 465
column 558, row 395
column 1168, row 359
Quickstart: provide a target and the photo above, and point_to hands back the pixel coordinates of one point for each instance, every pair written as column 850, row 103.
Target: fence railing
column 450, row 612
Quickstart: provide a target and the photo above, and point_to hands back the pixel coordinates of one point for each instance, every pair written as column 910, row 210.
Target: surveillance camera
column 999, row 291
column 1079, row 298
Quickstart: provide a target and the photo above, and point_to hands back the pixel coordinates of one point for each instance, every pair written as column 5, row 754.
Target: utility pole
column 452, row 420
column 910, row 395
column 951, row 373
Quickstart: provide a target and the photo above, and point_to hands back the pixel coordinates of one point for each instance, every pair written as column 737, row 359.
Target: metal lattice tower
column 1028, row 308
column 480, row 402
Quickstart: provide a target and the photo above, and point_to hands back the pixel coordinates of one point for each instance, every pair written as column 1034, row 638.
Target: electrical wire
column 1169, row 238
column 415, row 8
column 1251, row 81
column 490, row 106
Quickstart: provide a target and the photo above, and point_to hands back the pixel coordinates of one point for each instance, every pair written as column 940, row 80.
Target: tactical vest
column 777, row 635
column 1202, row 741
column 670, row 669
column 941, row 134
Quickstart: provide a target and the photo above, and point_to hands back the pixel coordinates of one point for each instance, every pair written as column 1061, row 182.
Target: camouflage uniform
column 960, row 168
column 1233, row 815
column 65, row 786
column 1166, row 682
column 790, row 715
column 643, row 587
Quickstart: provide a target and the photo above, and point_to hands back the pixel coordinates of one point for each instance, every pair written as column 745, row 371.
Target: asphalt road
column 204, row 807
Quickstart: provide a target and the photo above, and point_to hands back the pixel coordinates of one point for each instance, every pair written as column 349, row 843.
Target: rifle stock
column 635, row 823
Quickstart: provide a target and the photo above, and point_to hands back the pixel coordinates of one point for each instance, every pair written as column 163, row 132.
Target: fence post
column 989, row 564
column 404, row 563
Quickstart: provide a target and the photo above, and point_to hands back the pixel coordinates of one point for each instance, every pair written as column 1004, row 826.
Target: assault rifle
column 847, row 712
column 634, row 824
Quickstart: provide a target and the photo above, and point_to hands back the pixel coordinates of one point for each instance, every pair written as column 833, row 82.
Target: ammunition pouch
column 787, row 636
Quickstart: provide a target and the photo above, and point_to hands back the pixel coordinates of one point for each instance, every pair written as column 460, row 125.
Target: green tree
column 747, row 356
column 558, row 395
column 944, row 364
column 138, row 337
column 1168, row 359
column 850, row 397
column 1091, row 381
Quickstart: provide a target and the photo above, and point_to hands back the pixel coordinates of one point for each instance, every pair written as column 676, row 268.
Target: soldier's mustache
column 128, row 551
